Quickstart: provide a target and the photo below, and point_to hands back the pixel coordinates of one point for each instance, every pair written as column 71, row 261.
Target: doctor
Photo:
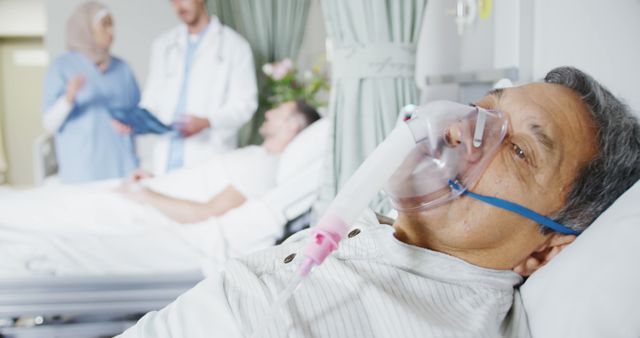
column 202, row 79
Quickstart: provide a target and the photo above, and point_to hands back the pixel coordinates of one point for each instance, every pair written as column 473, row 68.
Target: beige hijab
column 80, row 34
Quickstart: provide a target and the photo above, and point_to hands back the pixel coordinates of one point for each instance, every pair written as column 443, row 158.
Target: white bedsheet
column 91, row 230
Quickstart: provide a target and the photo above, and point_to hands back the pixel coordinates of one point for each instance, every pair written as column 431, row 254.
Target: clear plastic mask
column 460, row 142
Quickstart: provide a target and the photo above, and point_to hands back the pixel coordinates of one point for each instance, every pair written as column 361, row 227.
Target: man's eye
column 518, row 151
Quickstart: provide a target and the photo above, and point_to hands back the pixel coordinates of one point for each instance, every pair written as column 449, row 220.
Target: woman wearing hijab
column 80, row 89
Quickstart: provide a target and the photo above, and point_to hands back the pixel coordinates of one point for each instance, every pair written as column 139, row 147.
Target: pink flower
column 281, row 69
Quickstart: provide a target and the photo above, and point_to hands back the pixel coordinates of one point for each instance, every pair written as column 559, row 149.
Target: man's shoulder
column 231, row 35
column 234, row 36
column 284, row 258
column 273, row 260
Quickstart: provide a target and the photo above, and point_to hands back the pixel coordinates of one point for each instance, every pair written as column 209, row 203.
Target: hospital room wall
column 438, row 50
column 602, row 38
column 485, row 44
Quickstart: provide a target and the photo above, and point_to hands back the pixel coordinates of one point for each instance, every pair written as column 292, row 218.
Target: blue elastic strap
column 518, row 209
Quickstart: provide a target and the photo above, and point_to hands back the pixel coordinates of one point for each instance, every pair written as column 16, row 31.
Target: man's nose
column 453, row 135
column 461, row 134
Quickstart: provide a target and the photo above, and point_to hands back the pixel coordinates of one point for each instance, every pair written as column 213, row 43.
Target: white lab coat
column 222, row 87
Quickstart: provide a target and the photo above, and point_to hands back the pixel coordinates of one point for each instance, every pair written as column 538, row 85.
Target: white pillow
column 592, row 288
column 304, row 149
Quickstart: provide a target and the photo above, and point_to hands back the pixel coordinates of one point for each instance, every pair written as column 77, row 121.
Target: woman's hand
column 121, row 127
column 73, row 87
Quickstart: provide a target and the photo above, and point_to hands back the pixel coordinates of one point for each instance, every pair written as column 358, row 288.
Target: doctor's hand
column 73, row 87
column 192, row 125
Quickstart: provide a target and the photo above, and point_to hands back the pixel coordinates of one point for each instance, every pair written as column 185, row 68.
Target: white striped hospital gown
column 373, row 286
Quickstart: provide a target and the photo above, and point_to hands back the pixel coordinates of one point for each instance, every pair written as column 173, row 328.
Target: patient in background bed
column 571, row 151
column 188, row 195
column 95, row 230
column 251, row 170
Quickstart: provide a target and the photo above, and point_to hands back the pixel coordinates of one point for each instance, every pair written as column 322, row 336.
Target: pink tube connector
column 326, row 237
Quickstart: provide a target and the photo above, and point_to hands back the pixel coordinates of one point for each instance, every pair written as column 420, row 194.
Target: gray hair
column 616, row 167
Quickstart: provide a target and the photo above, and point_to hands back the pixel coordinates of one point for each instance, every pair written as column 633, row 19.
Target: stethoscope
column 172, row 52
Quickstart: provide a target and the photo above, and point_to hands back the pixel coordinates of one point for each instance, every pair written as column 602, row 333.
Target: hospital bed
column 99, row 306
column 90, row 306
column 588, row 290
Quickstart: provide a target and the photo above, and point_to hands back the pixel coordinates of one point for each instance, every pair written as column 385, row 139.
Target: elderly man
column 571, row 150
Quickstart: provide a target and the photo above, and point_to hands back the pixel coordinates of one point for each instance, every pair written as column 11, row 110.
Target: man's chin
column 188, row 18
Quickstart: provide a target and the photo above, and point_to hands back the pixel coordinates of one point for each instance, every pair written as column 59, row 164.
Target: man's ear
column 543, row 254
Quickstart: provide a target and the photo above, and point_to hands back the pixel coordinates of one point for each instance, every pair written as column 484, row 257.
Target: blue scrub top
column 88, row 148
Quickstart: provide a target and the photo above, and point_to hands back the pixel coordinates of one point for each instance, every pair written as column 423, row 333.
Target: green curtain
column 273, row 28
column 372, row 55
